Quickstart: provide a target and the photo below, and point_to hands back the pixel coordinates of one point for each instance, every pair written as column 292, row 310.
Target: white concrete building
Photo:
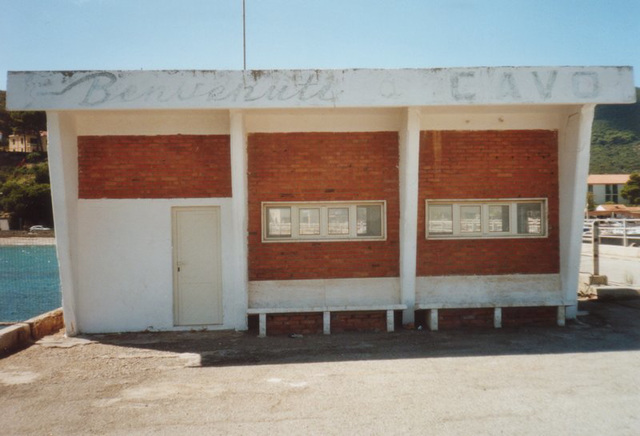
column 197, row 198
column 607, row 188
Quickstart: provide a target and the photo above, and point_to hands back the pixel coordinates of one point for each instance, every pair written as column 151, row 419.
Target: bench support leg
column 262, row 325
column 326, row 323
column 432, row 319
column 561, row 316
column 390, row 320
column 497, row 317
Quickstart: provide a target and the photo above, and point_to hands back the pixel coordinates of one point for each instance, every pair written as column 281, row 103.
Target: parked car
column 38, row 228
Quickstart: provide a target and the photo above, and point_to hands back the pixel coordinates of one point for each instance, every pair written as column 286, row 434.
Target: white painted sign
column 318, row 88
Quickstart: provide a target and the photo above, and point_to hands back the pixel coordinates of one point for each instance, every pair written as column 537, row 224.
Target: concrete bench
column 432, row 310
column 326, row 311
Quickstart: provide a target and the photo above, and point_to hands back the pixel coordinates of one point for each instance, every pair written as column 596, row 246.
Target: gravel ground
column 582, row 379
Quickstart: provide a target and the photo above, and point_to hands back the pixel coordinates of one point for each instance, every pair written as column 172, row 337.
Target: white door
column 197, row 266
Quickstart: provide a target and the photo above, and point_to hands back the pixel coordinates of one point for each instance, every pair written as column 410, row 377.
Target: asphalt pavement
column 581, row 379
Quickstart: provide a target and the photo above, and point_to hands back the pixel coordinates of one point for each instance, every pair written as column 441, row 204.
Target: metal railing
column 613, row 231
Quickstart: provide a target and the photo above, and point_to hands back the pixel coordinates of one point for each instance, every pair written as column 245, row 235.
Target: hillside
column 615, row 141
column 5, row 119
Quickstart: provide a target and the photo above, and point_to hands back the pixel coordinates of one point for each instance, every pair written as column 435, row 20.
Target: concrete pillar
column 326, row 323
column 239, row 201
column 409, row 166
column 497, row 317
column 573, row 164
column 432, row 319
column 63, row 169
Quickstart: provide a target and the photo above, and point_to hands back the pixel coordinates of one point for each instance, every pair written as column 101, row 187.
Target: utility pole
column 244, row 37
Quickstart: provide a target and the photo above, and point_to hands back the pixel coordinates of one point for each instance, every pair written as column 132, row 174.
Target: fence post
column 624, row 232
column 595, row 245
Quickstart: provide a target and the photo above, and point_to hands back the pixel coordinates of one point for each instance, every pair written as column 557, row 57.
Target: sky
column 310, row 34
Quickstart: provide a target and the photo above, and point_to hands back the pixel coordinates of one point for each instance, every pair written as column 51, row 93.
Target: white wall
column 63, row 169
column 324, row 292
column 115, row 255
column 474, row 86
column 600, row 197
column 125, row 268
column 574, row 139
column 479, row 291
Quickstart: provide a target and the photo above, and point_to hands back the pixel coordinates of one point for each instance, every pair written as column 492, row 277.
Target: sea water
column 29, row 281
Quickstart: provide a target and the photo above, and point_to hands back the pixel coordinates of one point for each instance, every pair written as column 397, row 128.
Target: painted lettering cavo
column 510, row 86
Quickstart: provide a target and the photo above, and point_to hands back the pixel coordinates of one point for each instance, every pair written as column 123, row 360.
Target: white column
column 326, row 323
column 238, row 140
column 432, row 319
column 497, row 317
column 409, row 165
column 63, row 169
column 390, row 321
column 573, row 164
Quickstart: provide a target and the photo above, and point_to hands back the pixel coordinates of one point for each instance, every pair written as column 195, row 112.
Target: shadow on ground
column 600, row 327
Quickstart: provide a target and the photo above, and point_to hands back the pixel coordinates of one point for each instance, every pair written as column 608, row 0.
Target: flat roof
column 87, row 90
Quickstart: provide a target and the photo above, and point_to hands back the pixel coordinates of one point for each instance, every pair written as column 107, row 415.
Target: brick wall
column 300, row 323
column 323, row 167
column 486, row 165
column 462, row 318
column 311, row 323
column 518, row 316
column 172, row 166
column 449, row 319
column 374, row 321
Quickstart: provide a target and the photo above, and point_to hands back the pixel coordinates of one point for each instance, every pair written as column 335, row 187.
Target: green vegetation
column 5, row 120
column 631, row 190
column 615, row 140
column 24, row 177
column 24, row 189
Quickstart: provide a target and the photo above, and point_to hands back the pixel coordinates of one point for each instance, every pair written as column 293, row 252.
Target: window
column 330, row 221
column 611, row 194
column 512, row 218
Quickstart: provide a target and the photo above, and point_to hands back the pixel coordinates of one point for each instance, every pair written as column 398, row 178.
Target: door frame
column 174, row 261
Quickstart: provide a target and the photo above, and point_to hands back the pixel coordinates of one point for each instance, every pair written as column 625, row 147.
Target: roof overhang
column 90, row 90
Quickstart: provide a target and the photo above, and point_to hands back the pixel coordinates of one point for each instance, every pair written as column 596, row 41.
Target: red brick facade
column 323, row 167
column 483, row 317
column 173, row 166
column 488, row 165
column 311, row 323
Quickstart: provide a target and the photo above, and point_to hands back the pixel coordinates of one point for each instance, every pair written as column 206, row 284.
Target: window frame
column 485, row 232
column 611, row 193
column 324, row 206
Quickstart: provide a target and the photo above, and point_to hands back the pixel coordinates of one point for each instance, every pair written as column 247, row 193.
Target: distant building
column 4, row 221
column 27, row 143
column 612, row 211
column 606, row 188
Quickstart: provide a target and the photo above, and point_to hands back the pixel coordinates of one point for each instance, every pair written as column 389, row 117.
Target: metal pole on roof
column 244, row 37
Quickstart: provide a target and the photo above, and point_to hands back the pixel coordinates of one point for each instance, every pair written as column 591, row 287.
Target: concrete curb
column 22, row 334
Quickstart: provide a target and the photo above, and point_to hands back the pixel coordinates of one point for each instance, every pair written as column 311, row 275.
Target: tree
column 631, row 190
column 28, row 203
column 5, row 121
column 29, row 123
column 591, row 203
